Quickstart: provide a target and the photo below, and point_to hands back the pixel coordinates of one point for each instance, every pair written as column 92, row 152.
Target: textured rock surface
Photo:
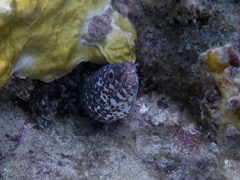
column 172, row 132
column 223, row 62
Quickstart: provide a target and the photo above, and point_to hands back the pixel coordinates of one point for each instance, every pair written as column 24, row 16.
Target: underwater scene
column 120, row 89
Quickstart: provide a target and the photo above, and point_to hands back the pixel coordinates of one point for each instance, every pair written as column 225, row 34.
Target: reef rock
column 223, row 63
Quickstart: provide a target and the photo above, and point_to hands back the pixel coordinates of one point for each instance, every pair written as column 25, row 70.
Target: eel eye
column 110, row 76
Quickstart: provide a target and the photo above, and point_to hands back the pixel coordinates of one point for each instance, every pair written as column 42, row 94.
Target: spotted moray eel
column 109, row 93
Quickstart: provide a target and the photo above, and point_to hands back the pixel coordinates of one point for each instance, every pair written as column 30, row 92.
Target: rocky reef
column 184, row 123
column 224, row 62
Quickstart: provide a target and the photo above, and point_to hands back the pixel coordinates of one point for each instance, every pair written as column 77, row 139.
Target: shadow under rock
column 57, row 102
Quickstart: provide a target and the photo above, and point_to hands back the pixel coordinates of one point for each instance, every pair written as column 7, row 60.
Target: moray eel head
column 109, row 93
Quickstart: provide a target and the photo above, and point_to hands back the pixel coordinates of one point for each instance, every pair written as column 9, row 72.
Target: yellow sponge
column 45, row 40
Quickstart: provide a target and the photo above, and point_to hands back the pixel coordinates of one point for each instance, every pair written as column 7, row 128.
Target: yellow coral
column 214, row 64
column 4, row 71
column 45, row 39
column 223, row 62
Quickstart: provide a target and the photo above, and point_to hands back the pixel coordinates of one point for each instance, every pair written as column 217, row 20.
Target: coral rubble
column 223, row 62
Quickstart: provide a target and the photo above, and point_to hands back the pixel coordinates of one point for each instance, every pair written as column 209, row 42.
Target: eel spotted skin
column 109, row 93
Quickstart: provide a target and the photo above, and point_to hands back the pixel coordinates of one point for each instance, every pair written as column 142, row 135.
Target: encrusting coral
column 45, row 40
column 224, row 63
